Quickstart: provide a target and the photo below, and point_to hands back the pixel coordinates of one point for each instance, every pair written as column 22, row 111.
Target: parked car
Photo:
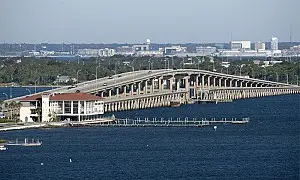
column 104, row 84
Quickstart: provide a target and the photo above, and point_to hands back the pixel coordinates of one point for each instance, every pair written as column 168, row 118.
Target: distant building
column 125, row 50
column 240, row 45
column 274, row 43
column 260, row 46
column 173, row 50
column 206, row 51
column 149, row 53
column 97, row 52
column 141, row 47
column 107, row 52
column 64, row 106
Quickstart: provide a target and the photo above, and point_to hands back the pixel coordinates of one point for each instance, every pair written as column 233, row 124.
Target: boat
column 175, row 103
column 2, row 148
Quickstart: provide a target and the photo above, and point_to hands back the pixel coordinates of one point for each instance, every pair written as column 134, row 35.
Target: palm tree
column 11, row 107
column 18, row 106
column 1, row 103
column 7, row 106
column 39, row 113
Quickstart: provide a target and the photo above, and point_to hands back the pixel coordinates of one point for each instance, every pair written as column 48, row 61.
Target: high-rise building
column 260, row 46
column 274, row 43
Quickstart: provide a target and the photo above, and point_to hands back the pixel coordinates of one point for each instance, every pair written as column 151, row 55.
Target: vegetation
column 44, row 71
column 13, row 108
column 3, row 141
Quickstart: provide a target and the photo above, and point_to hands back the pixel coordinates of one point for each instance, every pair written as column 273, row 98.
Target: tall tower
column 274, row 43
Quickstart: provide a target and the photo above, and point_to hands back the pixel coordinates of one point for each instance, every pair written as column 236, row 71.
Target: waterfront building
column 274, row 43
column 240, row 45
column 61, row 106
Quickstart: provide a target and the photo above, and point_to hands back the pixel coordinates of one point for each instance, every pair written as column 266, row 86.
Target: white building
column 174, row 50
column 125, row 50
column 64, row 106
column 274, row 43
column 97, row 52
column 240, row 45
column 260, row 46
column 141, row 47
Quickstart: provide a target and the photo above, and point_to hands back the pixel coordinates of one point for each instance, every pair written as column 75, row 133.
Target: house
column 59, row 107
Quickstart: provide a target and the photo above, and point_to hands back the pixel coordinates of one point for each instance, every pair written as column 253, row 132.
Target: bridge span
column 156, row 88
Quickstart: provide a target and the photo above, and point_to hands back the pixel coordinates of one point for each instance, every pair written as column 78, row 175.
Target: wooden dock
column 154, row 122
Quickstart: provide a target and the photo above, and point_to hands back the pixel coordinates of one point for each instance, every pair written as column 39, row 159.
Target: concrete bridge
column 157, row 88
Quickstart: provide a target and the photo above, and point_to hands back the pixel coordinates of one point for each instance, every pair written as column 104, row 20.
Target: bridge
column 158, row 88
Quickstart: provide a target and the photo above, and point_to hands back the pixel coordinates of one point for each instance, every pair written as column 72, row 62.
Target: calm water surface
column 7, row 92
column 268, row 147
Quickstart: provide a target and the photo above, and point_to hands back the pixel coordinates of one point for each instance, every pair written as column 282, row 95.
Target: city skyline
column 129, row 21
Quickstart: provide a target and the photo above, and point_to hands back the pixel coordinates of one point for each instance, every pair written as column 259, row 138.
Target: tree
column 53, row 117
column 1, row 103
column 39, row 113
column 17, row 106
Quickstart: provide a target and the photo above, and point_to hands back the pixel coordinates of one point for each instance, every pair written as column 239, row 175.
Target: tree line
column 44, row 71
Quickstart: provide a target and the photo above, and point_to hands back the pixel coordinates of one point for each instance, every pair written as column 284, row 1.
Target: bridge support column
column 146, row 87
column 131, row 89
column 203, row 80
column 214, row 79
column 125, row 89
column 109, row 93
column 139, row 88
column 160, row 86
column 117, row 89
column 187, row 87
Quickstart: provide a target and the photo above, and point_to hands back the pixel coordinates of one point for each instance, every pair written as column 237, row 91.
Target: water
column 267, row 147
column 7, row 92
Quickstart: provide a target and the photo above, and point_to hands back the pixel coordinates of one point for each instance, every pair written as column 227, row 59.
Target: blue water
column 19, row 91
column 268, row 147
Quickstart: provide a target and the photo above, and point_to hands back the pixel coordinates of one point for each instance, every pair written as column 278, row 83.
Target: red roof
column 74, row 97
column 65, row 97
column 31, row 98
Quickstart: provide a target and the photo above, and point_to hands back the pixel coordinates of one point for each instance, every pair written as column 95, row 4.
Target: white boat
column 2, row 148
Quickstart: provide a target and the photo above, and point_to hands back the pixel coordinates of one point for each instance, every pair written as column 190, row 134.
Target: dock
column 154, row 122
column 25, row 143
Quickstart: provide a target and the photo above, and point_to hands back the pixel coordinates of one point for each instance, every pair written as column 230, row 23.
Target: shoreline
column 12, row 127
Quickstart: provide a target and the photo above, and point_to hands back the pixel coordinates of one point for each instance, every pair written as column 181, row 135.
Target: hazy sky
column 133, row 21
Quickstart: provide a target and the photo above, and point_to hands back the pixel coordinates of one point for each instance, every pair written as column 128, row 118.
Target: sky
column 134, row 21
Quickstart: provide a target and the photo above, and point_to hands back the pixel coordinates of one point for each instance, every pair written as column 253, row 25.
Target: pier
column 25, row 143
column 170, row 122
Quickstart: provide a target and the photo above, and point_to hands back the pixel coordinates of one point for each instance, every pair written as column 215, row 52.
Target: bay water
column 268, row 147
